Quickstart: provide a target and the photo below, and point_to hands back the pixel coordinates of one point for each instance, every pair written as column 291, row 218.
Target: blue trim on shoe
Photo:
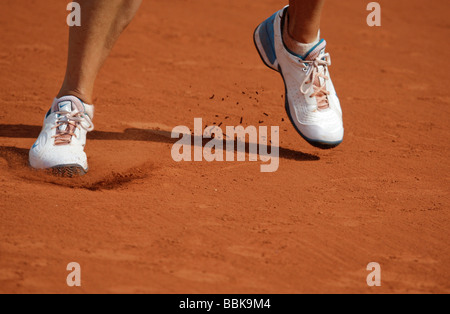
column 267, row 37
column 260, row 53
column 307, row 54
column 312, row 49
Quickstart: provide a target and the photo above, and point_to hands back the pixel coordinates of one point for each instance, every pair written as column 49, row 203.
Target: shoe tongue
column 318, row 50
column 67, row 104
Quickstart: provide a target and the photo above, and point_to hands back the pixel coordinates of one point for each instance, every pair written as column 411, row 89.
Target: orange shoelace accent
column 72, row 121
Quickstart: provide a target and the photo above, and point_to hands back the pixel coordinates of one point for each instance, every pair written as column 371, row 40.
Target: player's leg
column 60, row 146
column 89, row 45
column 301, row 31
column 289, row 42
column 304, row 19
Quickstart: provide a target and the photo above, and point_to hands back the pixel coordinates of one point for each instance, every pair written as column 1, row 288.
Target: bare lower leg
column 102, row 22
column 304, row 19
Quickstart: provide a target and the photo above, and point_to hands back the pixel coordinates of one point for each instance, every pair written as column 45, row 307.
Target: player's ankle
column 302, row 42
column 84, row 97
column 309, row 38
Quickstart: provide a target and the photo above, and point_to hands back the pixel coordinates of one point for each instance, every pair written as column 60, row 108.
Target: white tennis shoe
column 60, row 146
column 311, row 100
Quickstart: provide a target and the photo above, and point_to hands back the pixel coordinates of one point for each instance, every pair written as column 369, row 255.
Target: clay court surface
column 140, row 222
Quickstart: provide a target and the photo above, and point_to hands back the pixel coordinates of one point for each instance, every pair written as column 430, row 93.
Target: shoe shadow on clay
column 31, row 131
column 17, row 158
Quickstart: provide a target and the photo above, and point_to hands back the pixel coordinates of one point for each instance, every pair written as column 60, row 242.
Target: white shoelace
column 72, row 120
column 319, row 89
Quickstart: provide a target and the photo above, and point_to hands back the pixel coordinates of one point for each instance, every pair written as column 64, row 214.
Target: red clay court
column 140, row 222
